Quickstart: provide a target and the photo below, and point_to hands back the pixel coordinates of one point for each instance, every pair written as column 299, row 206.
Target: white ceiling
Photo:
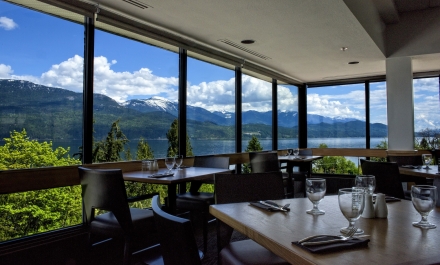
column 303, row 38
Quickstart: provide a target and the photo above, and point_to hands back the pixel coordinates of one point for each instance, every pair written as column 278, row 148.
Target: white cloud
column 7, row 23
column 5, row 71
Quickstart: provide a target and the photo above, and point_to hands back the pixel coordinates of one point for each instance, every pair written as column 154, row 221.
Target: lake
column 207, row 147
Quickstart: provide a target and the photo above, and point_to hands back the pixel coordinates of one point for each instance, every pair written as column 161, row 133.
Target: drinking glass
column 366, row 182
column 424, row 198
column 179, row 160
column 315, row 189
column 296, row 152
column 426, row 160
column 170, row 162
column 351, row 203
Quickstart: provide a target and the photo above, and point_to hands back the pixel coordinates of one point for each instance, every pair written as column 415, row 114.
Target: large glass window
column 287, row 116
column 135, row 97
column 210, row 108
column 41, row 82
column 256, row 112
column 427, row 113
column 378, row 116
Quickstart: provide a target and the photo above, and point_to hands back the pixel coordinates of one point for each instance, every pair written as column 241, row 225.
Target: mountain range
column 56, row 114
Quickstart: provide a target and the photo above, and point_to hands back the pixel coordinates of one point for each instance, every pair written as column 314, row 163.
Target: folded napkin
column 265, row 207
column 412, row 167
column 158, row 175
column 351, row 243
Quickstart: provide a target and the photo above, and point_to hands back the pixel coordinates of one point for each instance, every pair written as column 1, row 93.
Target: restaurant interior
column 306, row 44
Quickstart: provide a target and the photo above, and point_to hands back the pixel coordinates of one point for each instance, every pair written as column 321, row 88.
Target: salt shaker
column 381, row 208
column 369, row 208
column 155, row 165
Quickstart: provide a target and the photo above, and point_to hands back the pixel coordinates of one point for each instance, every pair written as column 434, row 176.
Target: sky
column 49, row 51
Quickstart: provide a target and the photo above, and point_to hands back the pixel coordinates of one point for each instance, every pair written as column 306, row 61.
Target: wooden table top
column 424, row 173
column 393, row 240
column 298, row 158
column 180, row 176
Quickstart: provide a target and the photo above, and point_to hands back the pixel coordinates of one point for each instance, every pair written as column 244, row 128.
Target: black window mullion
column 274, row 115
column 89, row 40
column 302, row 116
column 182, row 101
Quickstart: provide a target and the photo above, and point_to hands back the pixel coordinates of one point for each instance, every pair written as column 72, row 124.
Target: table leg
column 172, row 188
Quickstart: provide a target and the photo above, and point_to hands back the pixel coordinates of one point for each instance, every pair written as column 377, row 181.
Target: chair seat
column 248, row 252
column 107, row 224
column 194, row 201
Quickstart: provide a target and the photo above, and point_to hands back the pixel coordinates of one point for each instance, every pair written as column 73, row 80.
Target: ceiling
column 302, row 39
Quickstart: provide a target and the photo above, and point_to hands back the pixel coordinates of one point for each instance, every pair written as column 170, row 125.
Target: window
column 287, row 116
column 257, row 111
column 426, row 113
column 378, row 115
column 210, row 108
column 135, row 97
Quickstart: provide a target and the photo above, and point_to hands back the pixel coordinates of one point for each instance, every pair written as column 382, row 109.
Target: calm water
column 206, row 147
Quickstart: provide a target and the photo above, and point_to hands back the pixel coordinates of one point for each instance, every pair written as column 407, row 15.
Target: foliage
column 144, row 151
column 430, row 140
column 334, row 165
column 382, row 145
column 32, row 212
column 173, row 141
column 253, row 146
column 109, row 150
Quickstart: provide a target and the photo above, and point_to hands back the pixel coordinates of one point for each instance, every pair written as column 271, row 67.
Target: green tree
column 334, row 164
column 144, row 151
column 31, row 212
column 382, row 145
column 254, row 145
column 173, row 141
column 430, row 140
column 110, row 149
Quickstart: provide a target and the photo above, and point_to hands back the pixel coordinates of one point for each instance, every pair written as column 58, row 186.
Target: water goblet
column 179, row 160
column 170, row 162
column 315, row 189
column 366, row 182
column 296, row 152
column 351, row 203
column 424, row 199
column 427, row 158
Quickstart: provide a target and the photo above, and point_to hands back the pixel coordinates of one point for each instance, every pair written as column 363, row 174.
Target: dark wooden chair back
column 104, row 189
column 208, row 161
column 387, row 177
column 176, row 237
column 264, row 162
column 406, row 160
column 231, row 188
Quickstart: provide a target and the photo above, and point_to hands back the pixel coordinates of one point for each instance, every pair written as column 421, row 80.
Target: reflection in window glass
column 426, row 112
column 135, row 98
column 41, row 69
column 378, row 116
column 210, row 108
column 287, row 116
column 257, row 111
column 336, row 116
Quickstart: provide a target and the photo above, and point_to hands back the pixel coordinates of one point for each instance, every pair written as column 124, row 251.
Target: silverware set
column 339, row 238
column 274, row 205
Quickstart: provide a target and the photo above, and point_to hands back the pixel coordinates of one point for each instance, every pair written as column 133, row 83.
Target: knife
column 272, row 206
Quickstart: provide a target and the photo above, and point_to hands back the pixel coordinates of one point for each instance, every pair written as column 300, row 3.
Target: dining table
column 178, row 177
column 392, row 240
column 422, row 172
column 304, row 162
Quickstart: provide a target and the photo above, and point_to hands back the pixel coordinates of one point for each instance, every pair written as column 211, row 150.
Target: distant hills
column 49, row 113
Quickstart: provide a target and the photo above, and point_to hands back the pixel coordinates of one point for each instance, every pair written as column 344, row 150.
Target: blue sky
column 49, row 51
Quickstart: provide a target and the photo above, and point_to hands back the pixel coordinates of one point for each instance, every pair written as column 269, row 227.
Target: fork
column 349, row 234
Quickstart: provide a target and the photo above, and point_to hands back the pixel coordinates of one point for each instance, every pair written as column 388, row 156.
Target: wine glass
column 179, row 160
column 424, row 199
column 366, row 182
column 170, row 162
column 426, row 160
column 289, row 152
column 351, row 203
column 315, row 189
column 296, row 152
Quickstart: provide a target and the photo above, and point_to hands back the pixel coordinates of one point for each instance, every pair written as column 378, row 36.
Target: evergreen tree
column 173, row 141
column 110, row 149
column 144, row 151
column 334, row 165
column 254, row 145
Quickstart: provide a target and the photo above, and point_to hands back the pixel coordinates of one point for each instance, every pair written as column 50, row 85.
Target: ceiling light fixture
column 354, row 62
column 344, row 49
column 248, row 41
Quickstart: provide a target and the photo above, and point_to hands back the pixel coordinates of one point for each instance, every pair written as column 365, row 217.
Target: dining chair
column 261, row 162
column 410, row 160
column 177, row 242
column 103, row 189
column 245, row 188
column 387, row 177
column 198, row 202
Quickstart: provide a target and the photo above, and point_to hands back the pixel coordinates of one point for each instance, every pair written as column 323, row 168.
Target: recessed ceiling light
column 344, row 49
column 247, row 41
column 354, row 62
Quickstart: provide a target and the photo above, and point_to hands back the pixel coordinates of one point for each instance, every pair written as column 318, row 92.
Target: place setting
column 271, row 206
